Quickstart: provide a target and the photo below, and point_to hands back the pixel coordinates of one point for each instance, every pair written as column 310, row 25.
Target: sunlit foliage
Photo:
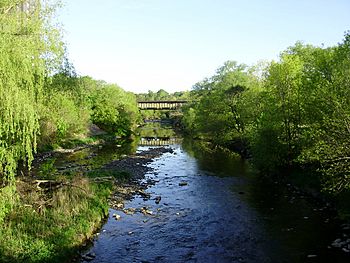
column 294, row 112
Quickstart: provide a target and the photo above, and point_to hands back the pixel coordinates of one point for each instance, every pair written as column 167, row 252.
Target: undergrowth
column 49, row 224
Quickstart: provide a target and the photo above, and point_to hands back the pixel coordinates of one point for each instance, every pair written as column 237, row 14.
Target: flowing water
column 206, row 206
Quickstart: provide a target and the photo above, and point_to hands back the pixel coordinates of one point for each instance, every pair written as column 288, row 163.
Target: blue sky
column 171, row 44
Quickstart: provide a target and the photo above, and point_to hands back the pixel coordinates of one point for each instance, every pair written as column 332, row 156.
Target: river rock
column 129, row 211
column 119, row 205
column 337, row 243
column 116, row 216
column 146, row 211
column 143, row 194
column 183, row 183
column 346, row 227
column 157, row 199
column 89, row 256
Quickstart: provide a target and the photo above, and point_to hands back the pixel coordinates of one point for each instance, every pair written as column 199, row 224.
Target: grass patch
column 49, row 225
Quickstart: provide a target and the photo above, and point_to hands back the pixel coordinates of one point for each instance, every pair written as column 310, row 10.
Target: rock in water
column 157, row 199
column 311, row 256
column 129, row 211
column 183, row 183
column 145, row 211
column 89, row 257
column 116, row 216
column 120, row 205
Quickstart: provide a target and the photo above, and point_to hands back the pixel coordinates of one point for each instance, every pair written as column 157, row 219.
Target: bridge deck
column 161, row 104
column 159, row 141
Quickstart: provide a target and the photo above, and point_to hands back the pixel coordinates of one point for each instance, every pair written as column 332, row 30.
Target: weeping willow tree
column 28, row 50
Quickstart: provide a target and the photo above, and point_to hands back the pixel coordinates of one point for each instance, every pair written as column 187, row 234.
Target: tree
column 330, row 120
column 114, row 110
column 26, row 46
column 217, row 113
column 29, row 47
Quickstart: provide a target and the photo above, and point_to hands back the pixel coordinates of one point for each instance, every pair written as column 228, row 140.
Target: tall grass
column 49, row 225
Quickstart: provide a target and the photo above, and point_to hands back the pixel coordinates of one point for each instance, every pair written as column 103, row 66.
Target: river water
column 212, row 209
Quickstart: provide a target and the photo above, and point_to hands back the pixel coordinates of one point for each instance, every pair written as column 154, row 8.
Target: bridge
column 152, row 141
column 161, row 104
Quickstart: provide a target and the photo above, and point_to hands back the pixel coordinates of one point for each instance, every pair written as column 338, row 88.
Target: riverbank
column 59, row 208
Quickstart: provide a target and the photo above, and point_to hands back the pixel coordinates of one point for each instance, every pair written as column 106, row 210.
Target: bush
column 114, row 110
column 61, row 119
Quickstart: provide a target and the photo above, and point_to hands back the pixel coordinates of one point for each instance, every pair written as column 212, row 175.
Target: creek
column 206, row 205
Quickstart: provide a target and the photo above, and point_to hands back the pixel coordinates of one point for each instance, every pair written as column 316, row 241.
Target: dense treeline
column 294, row 112
column 72, row 103
column 163, row 95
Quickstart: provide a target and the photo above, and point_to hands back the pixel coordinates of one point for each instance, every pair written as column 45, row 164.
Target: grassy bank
column 50, row 220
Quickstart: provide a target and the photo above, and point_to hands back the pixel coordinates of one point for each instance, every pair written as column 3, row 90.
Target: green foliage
column 61, row 118
column 52, row 233
column 47, row 169
column 43, row 101
column 294, row 112
column 114, row 110
column 277, row 136
column 22, row 68
column 217, row 113
column 29, row 50
column 163, row 95
column 330, row 120
column 8, row 198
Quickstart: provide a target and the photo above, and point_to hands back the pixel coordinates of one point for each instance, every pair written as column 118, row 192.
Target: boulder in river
column 89, row 256
column 116, row 216
column 146, row 211
column 157, row 199
column 120, row 205
column 129, row 211
column 183, row 183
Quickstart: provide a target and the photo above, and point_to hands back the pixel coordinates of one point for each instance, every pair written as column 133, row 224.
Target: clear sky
column 171, row 44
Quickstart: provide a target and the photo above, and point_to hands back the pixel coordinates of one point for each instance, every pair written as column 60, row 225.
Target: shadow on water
column 218, row 161
column 303, row 226
column 299, row 228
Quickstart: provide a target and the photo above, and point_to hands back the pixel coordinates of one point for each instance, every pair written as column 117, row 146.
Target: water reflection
column 152, row 141
column 158, row 134
column 85, row 159
column 216, row 160
column 299, row 229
